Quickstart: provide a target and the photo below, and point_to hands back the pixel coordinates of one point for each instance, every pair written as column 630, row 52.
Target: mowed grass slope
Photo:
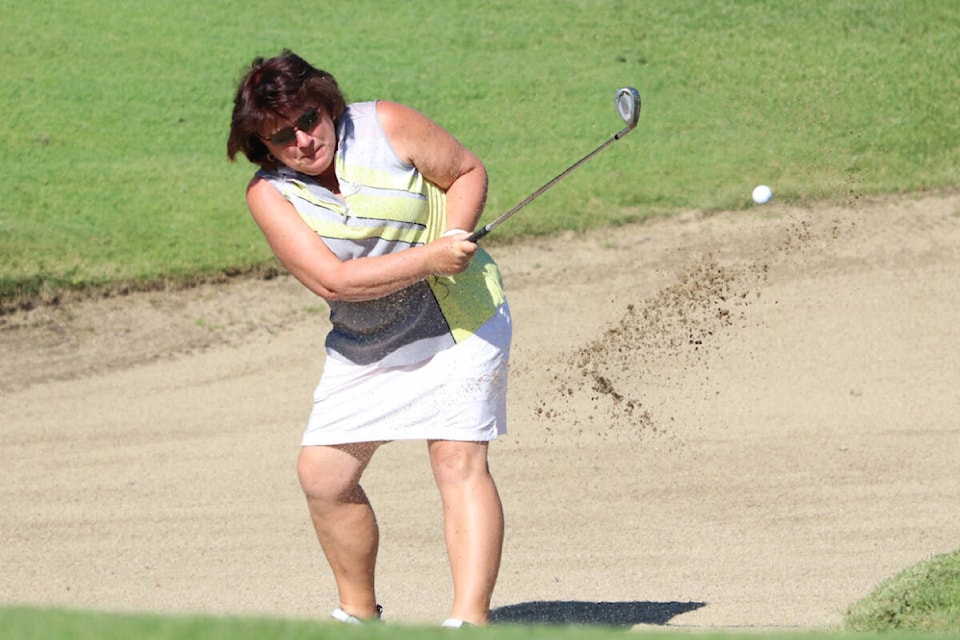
column 116, row 113
column 925, row 597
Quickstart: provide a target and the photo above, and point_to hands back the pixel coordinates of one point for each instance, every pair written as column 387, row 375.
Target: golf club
column 628, row 106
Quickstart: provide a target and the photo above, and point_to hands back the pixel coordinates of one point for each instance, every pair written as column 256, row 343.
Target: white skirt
column 458, row 394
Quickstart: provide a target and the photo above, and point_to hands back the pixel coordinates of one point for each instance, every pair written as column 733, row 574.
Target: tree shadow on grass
column 607, row 614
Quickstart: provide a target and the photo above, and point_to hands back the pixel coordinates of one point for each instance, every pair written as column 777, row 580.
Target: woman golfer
column 369, row 205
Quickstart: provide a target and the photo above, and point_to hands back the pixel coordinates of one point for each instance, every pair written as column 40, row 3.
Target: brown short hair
column 271, row 88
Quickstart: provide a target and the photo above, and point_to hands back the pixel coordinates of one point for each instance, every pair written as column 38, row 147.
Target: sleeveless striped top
column 387, row 206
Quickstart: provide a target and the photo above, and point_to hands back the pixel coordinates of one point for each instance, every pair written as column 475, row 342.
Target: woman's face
column 305, row 140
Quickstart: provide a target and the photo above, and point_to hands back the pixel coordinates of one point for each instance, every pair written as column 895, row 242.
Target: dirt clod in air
column 679, row 326
column 675, row 334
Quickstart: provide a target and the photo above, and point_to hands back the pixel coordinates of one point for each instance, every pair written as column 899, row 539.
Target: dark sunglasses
column 305, row 123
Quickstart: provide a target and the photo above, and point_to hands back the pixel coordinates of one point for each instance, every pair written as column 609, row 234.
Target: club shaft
column 487, row 228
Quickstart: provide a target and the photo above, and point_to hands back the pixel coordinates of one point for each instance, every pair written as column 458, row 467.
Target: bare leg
column 473, row 524
column 343, row 519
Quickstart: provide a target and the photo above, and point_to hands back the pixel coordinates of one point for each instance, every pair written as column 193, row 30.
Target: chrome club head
column 628, row 106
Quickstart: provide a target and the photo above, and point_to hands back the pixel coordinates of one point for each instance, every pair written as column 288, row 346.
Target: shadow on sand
column 608, row 614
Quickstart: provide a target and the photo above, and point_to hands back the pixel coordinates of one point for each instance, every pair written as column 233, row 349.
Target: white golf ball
column 762, row 194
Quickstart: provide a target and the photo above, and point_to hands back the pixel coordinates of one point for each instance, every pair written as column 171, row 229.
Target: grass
column 925, row 597
column 116, row 112
column 52, row 624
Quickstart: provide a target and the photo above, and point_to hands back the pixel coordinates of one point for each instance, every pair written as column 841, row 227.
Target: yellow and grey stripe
column 385, row 206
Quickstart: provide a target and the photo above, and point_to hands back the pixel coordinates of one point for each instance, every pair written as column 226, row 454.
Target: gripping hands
column 451, row 253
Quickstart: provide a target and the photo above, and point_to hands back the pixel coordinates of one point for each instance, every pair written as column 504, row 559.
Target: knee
column 457, row 463
column 325, row 485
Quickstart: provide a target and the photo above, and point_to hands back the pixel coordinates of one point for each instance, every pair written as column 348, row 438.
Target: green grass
column 20, row 623
column 116, row 112
column 53, row 624
column 925, row 597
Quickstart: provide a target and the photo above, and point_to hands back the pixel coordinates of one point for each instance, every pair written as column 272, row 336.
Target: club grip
column 479, row 233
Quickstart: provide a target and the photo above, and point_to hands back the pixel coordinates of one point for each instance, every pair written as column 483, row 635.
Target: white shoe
column 456, row 623
column 348, row 618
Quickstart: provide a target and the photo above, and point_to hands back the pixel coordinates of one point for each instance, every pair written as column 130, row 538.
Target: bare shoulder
column 262, row 196
column 393, row 113
column 400, row 121
column 414, row 136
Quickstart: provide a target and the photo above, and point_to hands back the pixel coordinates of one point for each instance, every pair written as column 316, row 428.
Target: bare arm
column 442, row 160
column 309, row 259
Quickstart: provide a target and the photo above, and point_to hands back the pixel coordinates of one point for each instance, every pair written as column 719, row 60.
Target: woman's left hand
column 451, row 255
